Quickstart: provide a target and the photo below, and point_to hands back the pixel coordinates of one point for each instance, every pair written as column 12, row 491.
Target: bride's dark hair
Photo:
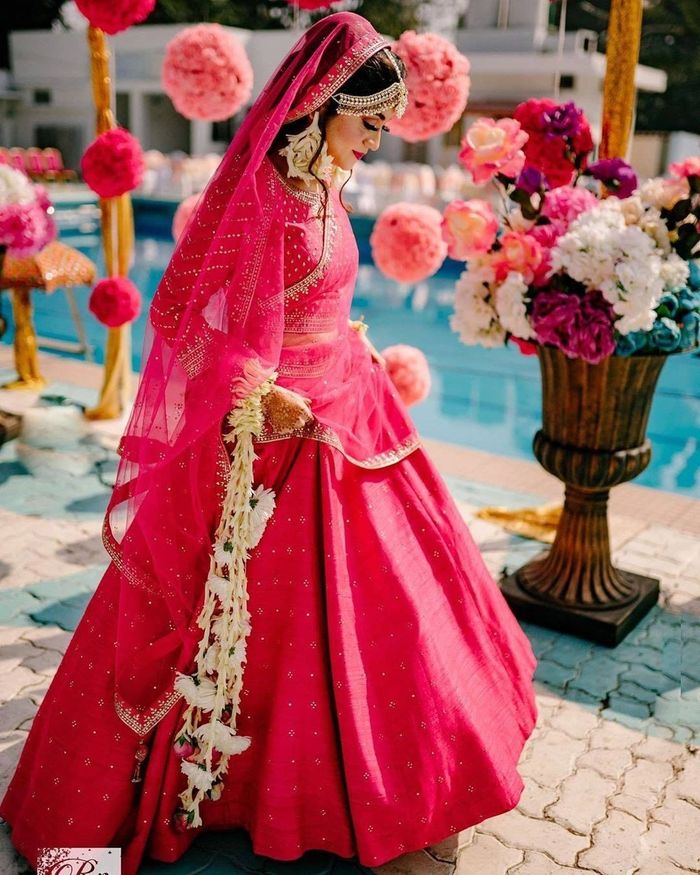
column 376, row 74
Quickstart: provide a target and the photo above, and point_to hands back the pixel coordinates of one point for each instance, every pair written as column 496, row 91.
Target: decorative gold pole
column 26, row 359
column 619, row 92
column 116, row 383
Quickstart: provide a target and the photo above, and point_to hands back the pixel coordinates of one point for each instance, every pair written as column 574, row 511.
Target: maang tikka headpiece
column 394, row 97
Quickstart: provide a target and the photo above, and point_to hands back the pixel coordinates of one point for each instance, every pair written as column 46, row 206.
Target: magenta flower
column 616, row 175
column 581, row 327
column 564, row 120
column 531, row 180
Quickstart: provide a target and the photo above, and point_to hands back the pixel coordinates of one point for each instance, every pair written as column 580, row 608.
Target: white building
column 513, row 56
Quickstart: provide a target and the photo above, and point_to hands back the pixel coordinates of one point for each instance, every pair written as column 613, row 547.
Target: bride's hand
column 285, row 410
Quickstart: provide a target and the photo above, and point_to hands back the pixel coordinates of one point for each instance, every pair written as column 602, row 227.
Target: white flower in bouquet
column 475, row 318
column 624, row 261
column 511, row 298
column 635, row 315
column 654, row 226
column 15, row 187
column 663, row 193
column 674, row 271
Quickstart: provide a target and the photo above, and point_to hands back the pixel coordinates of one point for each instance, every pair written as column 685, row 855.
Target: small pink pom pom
column 113, row 163
column 407, row 242
column 409, row 372
column 115, row 301
column 182, row 215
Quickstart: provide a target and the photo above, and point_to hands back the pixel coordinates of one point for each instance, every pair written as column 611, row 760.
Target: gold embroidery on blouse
column 330, row 227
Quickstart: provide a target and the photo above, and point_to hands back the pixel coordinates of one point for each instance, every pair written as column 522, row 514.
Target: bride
column 296, row 633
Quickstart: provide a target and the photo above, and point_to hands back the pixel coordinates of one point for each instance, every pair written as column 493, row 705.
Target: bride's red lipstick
column 358, row 155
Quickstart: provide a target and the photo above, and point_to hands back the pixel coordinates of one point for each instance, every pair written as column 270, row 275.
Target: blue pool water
column 485, row 399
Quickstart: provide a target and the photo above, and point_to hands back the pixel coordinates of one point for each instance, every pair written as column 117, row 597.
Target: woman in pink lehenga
column 296, row 634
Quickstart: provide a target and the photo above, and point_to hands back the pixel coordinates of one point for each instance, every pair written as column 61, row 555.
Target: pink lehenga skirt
column 387, row 690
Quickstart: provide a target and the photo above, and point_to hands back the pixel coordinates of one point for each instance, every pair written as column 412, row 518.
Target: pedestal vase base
column 608, row 626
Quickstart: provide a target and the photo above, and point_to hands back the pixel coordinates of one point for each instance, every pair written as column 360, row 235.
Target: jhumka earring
column 300, row 151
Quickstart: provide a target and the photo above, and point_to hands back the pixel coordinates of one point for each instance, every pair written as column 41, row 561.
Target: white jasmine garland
column 511, row 298
column 199, row 693
column 197, row 775
column 262, row 507
column 218, row 585
column 222, row 738
column 224, row 618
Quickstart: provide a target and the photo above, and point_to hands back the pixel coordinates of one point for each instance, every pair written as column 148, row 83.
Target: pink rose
column 468, row 228
column 183, row 748
column 687, row 167
column 520, row 253
column 492, row 147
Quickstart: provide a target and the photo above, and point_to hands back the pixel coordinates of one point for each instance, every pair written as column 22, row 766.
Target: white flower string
column 208, row 735
column 300, row 151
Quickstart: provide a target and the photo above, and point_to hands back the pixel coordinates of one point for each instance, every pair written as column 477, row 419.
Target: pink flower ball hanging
column 437, row 78
column 311, row 5
column 113, row 163
column 182, row 215
column 25, row 228
column 408, row 369
column 206, row 73
column 113, row 16
column 407, row 242
column 115, row 301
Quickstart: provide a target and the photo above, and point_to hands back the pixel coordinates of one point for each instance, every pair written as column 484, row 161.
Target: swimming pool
column 485, row 399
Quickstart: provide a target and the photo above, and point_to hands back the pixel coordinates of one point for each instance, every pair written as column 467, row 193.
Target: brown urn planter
column 593, row 437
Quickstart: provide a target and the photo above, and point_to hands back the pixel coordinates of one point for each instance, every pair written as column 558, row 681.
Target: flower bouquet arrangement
column 26, row 225
column 581, row 257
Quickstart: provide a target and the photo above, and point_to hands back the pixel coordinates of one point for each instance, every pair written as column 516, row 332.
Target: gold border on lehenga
column 317, row 432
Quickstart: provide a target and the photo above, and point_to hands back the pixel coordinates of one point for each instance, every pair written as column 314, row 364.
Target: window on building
column 567, row 82
column 42, row 95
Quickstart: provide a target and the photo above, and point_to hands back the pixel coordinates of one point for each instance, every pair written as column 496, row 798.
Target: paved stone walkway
column 612, row 771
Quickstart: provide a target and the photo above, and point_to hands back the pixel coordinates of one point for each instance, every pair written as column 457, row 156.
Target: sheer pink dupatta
column 214, row 335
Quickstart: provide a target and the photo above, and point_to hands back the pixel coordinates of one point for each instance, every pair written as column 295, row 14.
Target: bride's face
column 350, row 137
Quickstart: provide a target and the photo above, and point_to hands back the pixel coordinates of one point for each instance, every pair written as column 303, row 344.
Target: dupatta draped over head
column 214, row 334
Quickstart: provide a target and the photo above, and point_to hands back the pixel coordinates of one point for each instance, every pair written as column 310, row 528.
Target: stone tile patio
column 612, row 771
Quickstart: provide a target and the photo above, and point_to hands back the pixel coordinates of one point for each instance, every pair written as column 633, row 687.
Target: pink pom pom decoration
column 25, row 228
column 115, row 301
column 407, row 242
column 437, row 78
column 113, row 16
column 206, row 73
column 182, row 215
column 409, row 372
column 113, row 163
column 311, row 5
